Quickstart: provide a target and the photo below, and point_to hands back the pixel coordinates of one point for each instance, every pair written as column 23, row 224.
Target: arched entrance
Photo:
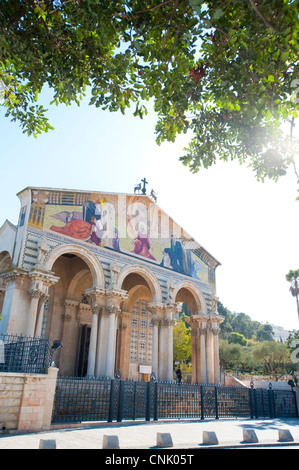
column 204, row 333
column 135, row 328
column 187, row 294
column 69, row 313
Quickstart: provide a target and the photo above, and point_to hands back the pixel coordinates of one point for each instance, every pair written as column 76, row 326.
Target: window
column 141, row 334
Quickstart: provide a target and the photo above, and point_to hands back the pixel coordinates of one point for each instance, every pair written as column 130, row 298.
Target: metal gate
column 90, row 399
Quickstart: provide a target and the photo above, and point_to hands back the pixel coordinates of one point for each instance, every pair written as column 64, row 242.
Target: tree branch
column 261, row 15
column 170, row 21
column 153, row 8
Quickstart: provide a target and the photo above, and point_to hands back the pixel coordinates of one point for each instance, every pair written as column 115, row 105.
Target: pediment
column 132, row 224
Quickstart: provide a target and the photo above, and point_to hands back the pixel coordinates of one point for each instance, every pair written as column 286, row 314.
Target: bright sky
column 250, row 227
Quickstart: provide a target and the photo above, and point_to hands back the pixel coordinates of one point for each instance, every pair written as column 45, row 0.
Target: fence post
column 251, row 401
column 202, row 413
column 156, row 402
column 134, row 401
column 148, row 402
column 271, row 397
column 255, row 404
column 120, row 401
column 216, row 403
column 110, row 413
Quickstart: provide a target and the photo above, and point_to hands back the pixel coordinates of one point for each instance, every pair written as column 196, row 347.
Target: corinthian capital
column 35, row 293
column 113, row 310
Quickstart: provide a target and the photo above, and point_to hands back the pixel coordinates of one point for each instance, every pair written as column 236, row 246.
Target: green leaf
column 218, row 14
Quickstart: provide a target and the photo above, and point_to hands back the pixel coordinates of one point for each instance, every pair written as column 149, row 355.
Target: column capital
column 95, row 292
column 216, row 318
column 172, row 308
column 169, row 322
column 114, row 297
column 200, row 317
column 161, row 309
column 155, row 320
column 215, row 329
column 96, row 309
column 113, row 310
column 203, row 330
column 14, row 274
column 155, row 307
column 35, row 293
column 46, row 277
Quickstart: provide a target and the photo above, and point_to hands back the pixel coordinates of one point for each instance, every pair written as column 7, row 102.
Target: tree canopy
column 242, row 324
column 225, row 71
column 274, row 355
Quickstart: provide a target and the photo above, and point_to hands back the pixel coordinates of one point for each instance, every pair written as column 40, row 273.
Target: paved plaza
column 184, row 434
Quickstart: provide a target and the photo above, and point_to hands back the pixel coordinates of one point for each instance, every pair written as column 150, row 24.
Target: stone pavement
column 185, row 434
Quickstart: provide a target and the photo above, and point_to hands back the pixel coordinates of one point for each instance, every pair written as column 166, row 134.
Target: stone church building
column 107, row 274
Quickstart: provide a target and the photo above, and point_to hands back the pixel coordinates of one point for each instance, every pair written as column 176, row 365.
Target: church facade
column 107, row 274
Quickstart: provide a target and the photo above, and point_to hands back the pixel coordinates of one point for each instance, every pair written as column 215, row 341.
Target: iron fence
column 91, row 399
column 24, row 354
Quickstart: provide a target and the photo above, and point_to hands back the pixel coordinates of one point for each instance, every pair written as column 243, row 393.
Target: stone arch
column 147, row 275
column 136, row 293
column 5, row 261
column 72, row 291
column 92, row 262
column 200, row 302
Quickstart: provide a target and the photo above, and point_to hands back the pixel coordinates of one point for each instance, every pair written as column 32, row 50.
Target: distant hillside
column 241, row 323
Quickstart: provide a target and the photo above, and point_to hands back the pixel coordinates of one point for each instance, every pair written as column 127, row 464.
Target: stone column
column 169, row 373
column 203, row 365
column 110, row 357
column 35, row 295
column 155, row 352
column 40, row 316
column 123, row 344
column 194, row 350
column 172, row 309
column 93, row 340
column 16, row 302
column 114, row 297
column 102, row 343
column 44, row 280
column 216, row 352
column 40, row 283
column 156, row 311
column 210, row 354
column 163, row 349
column 97, row 338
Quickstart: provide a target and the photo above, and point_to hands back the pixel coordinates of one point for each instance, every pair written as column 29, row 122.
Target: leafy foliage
column 243, row 325
column 274, row 355
column 181, row 342
column 225, row 71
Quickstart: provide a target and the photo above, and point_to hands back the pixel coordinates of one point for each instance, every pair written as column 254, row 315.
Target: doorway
column 84, row 339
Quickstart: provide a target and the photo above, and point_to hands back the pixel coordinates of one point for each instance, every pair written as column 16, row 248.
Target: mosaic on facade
column 132, row 225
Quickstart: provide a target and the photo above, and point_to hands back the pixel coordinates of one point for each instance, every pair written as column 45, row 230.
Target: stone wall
column 26, row 400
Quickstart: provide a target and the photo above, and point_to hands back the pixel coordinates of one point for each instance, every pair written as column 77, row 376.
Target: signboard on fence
column 145, row 369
